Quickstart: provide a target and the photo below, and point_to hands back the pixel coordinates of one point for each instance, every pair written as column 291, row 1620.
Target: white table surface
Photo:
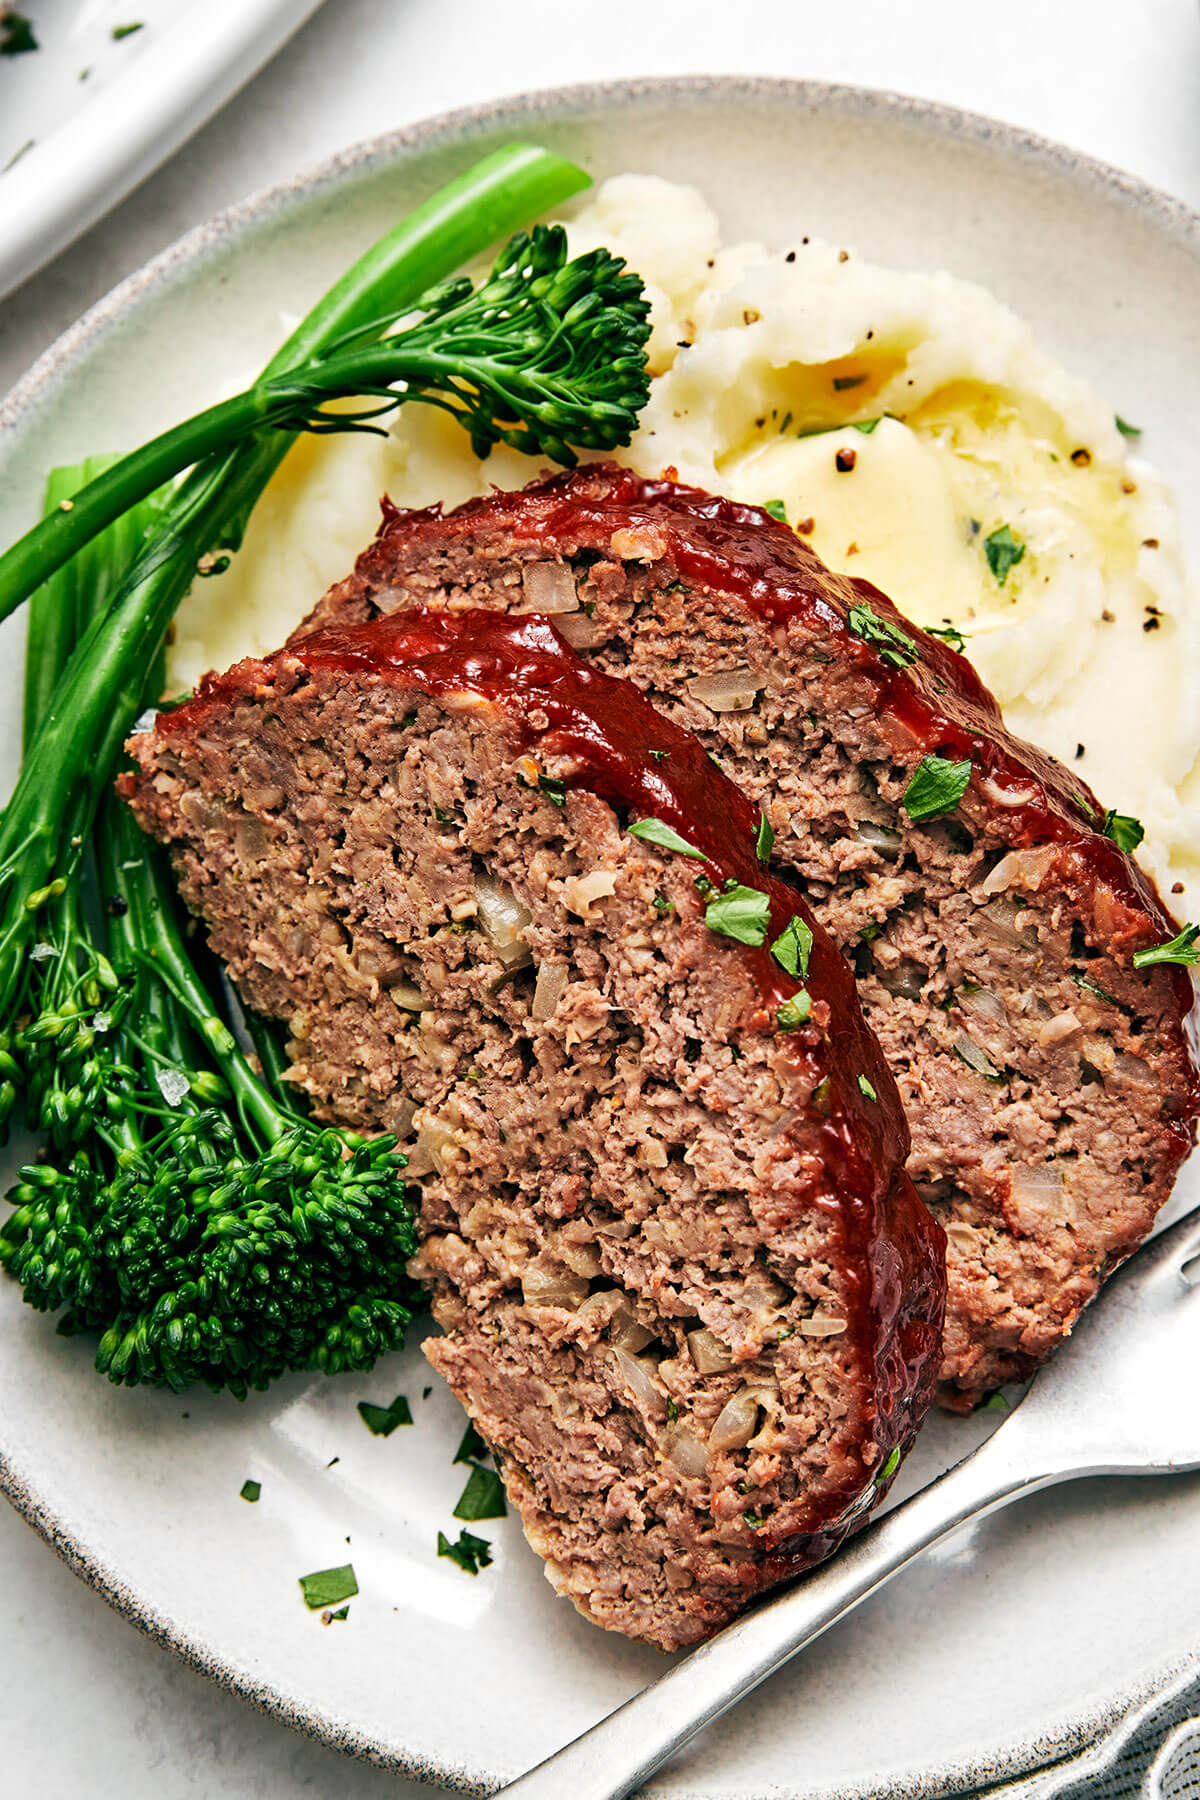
column 87, row 1706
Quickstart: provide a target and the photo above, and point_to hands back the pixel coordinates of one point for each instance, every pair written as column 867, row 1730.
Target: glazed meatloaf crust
column 689, row 1295
column 1048, row 1084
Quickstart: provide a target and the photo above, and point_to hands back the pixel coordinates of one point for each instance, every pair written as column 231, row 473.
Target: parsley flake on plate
column 1125, row 428
column 472, row 1446
column 894, row 646
column 793, row 947
column 381, row 1421
column 1125, row 831
column 653, row 831
column 742, row 913
column 1181, row 949
column 124, row 31
column 16, row 33
column 483, row 1496
column 250, row 1490
column 936, row 787
column 471, row 1553
column 328, row 1587
column 1003, row 552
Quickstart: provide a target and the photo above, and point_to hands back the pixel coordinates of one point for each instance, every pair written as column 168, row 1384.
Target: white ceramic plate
column 1019, row 1642
column 113, row 89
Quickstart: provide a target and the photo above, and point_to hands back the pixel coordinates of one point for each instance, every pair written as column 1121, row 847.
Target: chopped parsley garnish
column 842, row 382
column 1003, row 552
column 865, row 1088
column 894, row 646
column 777, row 510
column 661, row 904
column 251, row 1490
column 870, row 931
column 891, row 1465
column 949, row 634
column 472, row 1446
column 936, row 787
column 1092, row 987
column 483, row 1496
column 442, row 816
column 1181, row 949
column 471, row 1553
column 866, row 426
column 659, row 755
column 794, row 1012
column 381, row 1421
column 328, row 1587
column 739, row 912
column 1125, row 428
column 764, row 841
column 672, row 1411
column 754, row 1520
column 793, row 947
column 653, row 831
column 16, row 33
column 554, row 791
column 338, row 1617
column 124, row 31
column 1125, row 831
column 996, row 1403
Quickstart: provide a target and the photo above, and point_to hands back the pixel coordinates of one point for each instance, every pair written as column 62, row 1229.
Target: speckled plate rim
column 1093, row 1736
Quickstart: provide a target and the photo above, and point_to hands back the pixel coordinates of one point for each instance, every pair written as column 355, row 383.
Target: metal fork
column 1117, row 1399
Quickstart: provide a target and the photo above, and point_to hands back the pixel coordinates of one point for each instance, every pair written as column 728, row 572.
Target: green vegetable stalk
column 186, row 1215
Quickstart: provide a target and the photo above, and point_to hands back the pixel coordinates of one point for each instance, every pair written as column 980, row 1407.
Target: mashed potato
column 911, row 430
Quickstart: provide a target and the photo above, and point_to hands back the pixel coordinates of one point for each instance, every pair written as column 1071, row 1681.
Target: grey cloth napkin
column 1151, row 1753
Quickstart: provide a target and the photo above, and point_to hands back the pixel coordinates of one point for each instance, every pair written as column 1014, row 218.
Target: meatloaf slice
column 689, row 1295
column 1048, row 1083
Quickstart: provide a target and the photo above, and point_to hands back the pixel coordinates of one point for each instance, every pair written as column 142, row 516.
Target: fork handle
column 616, row 1756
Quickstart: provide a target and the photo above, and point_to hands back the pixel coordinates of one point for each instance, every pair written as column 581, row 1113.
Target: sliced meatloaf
column 689, row 1295
column 1048, row 1083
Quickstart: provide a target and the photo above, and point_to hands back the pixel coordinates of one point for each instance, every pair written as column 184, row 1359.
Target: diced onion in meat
column 637, row 1379
column 1133, row 1068
column 730, row 690
column 880, row 838
column 582, row 1258
column 1006, row 796
column 736, row 1422
column 579, row 891
column 628, row 1333
column 982, row 1003
column 686, row 1452
column 1001, row 918
column 502, row 919
column 968, row 1050
column 1062, row 1025
column 580, row 631
column 435, row 1142
column 408, row 997
column 549, row 1284
column 1020, row 868
column 549, row 588
column 961, row 1237
column 708, row 1352
column 821, row 1325
column 1036, row 1182
column 552, row 981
